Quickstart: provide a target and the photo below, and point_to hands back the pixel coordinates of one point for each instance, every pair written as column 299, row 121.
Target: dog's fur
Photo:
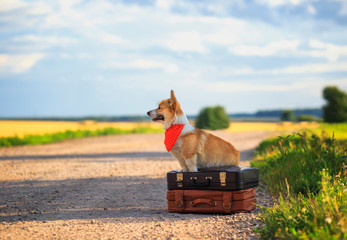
column 194, row 148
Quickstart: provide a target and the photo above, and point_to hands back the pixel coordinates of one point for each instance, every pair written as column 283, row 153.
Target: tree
column 212, row 118
column 288, row 115
column 336, row 108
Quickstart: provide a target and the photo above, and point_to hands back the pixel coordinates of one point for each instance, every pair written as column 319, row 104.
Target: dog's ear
column 173, row 101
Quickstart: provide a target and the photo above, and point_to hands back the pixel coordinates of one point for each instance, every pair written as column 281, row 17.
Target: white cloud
column 186, row 42
column 343, row 10
column 149, row 64
column 45, row 41
column 164, row 4
column 317, row 68
column 310, row 69
column 276, row 3
column 306, row 84
column 18, row 63
column 327, row 50
column 110, row 38
column 39, row 8
column 32, row 8
column 273, row 48
column 311, row 10
column 10, row 5
column 240, row 71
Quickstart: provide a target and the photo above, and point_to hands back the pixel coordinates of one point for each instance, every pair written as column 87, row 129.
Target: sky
column 82, row 58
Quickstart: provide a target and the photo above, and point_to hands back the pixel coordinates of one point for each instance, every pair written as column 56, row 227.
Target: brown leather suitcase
column 210, row 201
column 220, row 178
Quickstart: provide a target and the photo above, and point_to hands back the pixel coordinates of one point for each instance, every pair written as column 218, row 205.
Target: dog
column 192, row 147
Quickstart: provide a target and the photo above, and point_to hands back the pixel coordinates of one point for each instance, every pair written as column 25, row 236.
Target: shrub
column 308, row 118
column 212, row 118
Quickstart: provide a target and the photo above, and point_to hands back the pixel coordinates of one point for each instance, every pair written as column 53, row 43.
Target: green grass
column 316, row 216
column 60, row 136
column 308, row 174
column 298, row 159
column 340, row 129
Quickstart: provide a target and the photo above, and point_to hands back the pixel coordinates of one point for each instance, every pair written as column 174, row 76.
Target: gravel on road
column 111, row 187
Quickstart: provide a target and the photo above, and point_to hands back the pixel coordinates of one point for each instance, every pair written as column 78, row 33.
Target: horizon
column 120, row 58
column 145, row 115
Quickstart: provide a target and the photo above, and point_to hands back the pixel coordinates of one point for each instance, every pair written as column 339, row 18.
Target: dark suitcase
column 209, row 201
column 221, row 178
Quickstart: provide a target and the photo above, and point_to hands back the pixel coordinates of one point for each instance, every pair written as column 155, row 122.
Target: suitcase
column 222, row 178
column 210, row 201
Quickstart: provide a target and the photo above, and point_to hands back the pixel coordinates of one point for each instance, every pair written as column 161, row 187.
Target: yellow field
column 21, row 128
column 277, row 126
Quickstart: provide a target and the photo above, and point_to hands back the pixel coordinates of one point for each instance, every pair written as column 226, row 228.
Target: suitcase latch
column 179, row 179
column 222, row 178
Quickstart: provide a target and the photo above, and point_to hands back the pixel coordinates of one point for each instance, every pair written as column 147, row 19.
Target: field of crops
column 22, row 128
column 271, row 126
column 37, row 132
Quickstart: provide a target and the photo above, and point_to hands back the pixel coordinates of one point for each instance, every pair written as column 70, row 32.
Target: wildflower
column 328, row 220
column 303, row 210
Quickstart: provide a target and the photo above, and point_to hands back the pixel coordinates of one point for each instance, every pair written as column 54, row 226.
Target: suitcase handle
column 202, row 184
column 202, row 200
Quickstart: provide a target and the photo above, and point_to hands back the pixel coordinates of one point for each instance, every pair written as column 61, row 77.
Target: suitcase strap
column 179, row 198
column 227, row 200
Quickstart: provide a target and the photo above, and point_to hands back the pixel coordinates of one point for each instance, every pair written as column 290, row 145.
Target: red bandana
column 171, row 135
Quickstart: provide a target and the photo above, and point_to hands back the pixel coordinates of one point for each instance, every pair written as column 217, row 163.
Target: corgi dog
column 192, row 147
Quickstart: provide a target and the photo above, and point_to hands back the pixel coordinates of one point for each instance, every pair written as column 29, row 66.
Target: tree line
column 334, row 111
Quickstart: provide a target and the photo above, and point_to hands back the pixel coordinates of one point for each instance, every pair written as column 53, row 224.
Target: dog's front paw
column 184, row 170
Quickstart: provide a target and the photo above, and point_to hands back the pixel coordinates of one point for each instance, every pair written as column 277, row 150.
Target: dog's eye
column 159, row 107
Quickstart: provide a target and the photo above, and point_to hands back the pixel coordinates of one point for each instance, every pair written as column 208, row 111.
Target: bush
column 308, row 118
column 212, row 118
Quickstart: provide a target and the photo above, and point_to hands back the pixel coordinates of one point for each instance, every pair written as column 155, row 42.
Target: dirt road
column 110, row 187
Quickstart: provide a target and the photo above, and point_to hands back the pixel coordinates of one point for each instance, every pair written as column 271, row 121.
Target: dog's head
column 167, row 111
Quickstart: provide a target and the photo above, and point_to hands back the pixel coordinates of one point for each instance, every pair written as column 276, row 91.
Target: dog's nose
column 149, row 112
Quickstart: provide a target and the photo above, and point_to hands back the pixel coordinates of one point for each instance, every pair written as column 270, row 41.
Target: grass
column 316, row 216
column 307, row 172
column 70, row 134
column 298, row 159
column 339, row 129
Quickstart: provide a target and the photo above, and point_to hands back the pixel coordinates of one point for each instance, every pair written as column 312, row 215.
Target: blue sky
column 77, row 58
